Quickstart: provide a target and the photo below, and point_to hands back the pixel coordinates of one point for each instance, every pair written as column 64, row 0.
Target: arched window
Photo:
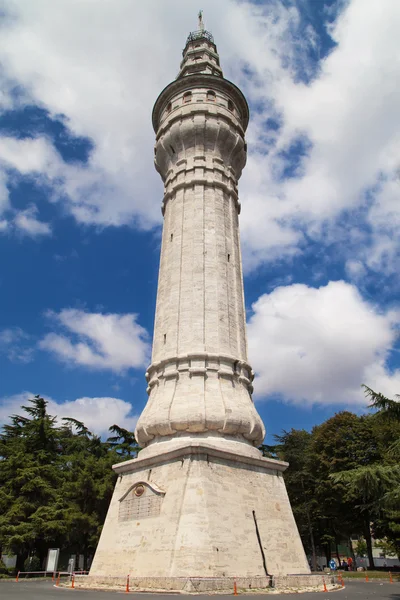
column 230, row 105
column 169, row 107
column 187, row 97
column 211, row 96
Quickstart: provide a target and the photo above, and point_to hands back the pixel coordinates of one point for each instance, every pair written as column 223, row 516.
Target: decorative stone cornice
column 200, row 363
column 209, row 111
column 203, row 137
column 202, row 81
column 213, row 168
column 215, row 391
column 198, row 448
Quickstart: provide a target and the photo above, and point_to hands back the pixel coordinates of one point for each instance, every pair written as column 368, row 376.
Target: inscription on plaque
column 140, row 502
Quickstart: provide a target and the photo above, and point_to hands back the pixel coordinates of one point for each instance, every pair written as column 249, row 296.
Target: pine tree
column 56, row 483
column 123, row 442
column 32, row 506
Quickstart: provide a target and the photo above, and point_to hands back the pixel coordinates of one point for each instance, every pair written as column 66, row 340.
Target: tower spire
column 201, row 22
column 200, row 54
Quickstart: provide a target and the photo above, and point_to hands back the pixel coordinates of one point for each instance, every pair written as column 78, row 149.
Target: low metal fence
column 55, row 575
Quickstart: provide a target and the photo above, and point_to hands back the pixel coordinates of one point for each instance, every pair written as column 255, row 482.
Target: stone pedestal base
column 204, row 585
column 199, row 511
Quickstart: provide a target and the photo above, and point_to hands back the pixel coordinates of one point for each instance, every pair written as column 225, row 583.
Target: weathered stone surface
column 200, row 380
column 199, row 505
column 206, row 525
column 196, row 585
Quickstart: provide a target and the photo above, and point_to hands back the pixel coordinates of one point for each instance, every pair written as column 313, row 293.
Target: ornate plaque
column 141, row 501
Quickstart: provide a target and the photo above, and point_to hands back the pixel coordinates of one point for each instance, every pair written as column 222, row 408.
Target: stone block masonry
column 197, row 515
column 200, row 506
column 216, row 585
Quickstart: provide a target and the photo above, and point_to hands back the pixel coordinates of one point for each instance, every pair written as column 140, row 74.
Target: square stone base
column 199, row 512
column 210, row 585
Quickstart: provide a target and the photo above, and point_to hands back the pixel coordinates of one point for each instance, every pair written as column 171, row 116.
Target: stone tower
column 200, row 500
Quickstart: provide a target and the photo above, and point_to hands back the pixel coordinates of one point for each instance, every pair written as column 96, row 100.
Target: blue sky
column 80, row 215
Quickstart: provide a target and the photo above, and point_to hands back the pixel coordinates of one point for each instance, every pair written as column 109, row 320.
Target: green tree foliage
column 378, row 485
column 350, row 470
column 361, row 547
column 56, row 483
column 385, row 406
column 32, row 507
column 123, row 442
column 388, row 547
column 321, row 513
column 295, row 447
column 339, row 475
column 343, row 443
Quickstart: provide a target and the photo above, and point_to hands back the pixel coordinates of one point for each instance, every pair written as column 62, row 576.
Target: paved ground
column 45, row 590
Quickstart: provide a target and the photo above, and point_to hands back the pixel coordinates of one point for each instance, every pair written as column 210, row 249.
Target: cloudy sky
column 80, row 215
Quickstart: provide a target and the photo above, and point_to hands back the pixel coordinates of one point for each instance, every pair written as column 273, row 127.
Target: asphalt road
column 45, row 590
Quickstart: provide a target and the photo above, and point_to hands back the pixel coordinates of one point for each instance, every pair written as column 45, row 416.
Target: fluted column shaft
column 199, row 379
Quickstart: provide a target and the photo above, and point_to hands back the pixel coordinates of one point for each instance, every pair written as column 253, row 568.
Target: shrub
column 32, row 564
column 3, row 568
column 5, row 572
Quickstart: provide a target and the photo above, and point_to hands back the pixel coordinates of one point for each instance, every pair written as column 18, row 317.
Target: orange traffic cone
column 234, row 588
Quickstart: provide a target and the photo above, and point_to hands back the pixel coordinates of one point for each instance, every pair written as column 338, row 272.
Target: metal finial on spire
column 201, row 31
column 201, row 22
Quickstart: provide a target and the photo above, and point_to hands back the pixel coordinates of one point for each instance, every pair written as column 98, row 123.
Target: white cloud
column 384, row 219
column 7, row 336
column 4, row 198
column 318, row 345
column 355, row 269
column 99, row 341
column 27, row 155
column 27, row 223
column 349, row 115
column 98, row 414
column 15, row 344
column 103, row 72
column 69, row 62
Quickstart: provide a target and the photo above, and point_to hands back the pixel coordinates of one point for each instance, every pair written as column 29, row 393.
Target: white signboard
column 52, row 559
column 10, row 560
